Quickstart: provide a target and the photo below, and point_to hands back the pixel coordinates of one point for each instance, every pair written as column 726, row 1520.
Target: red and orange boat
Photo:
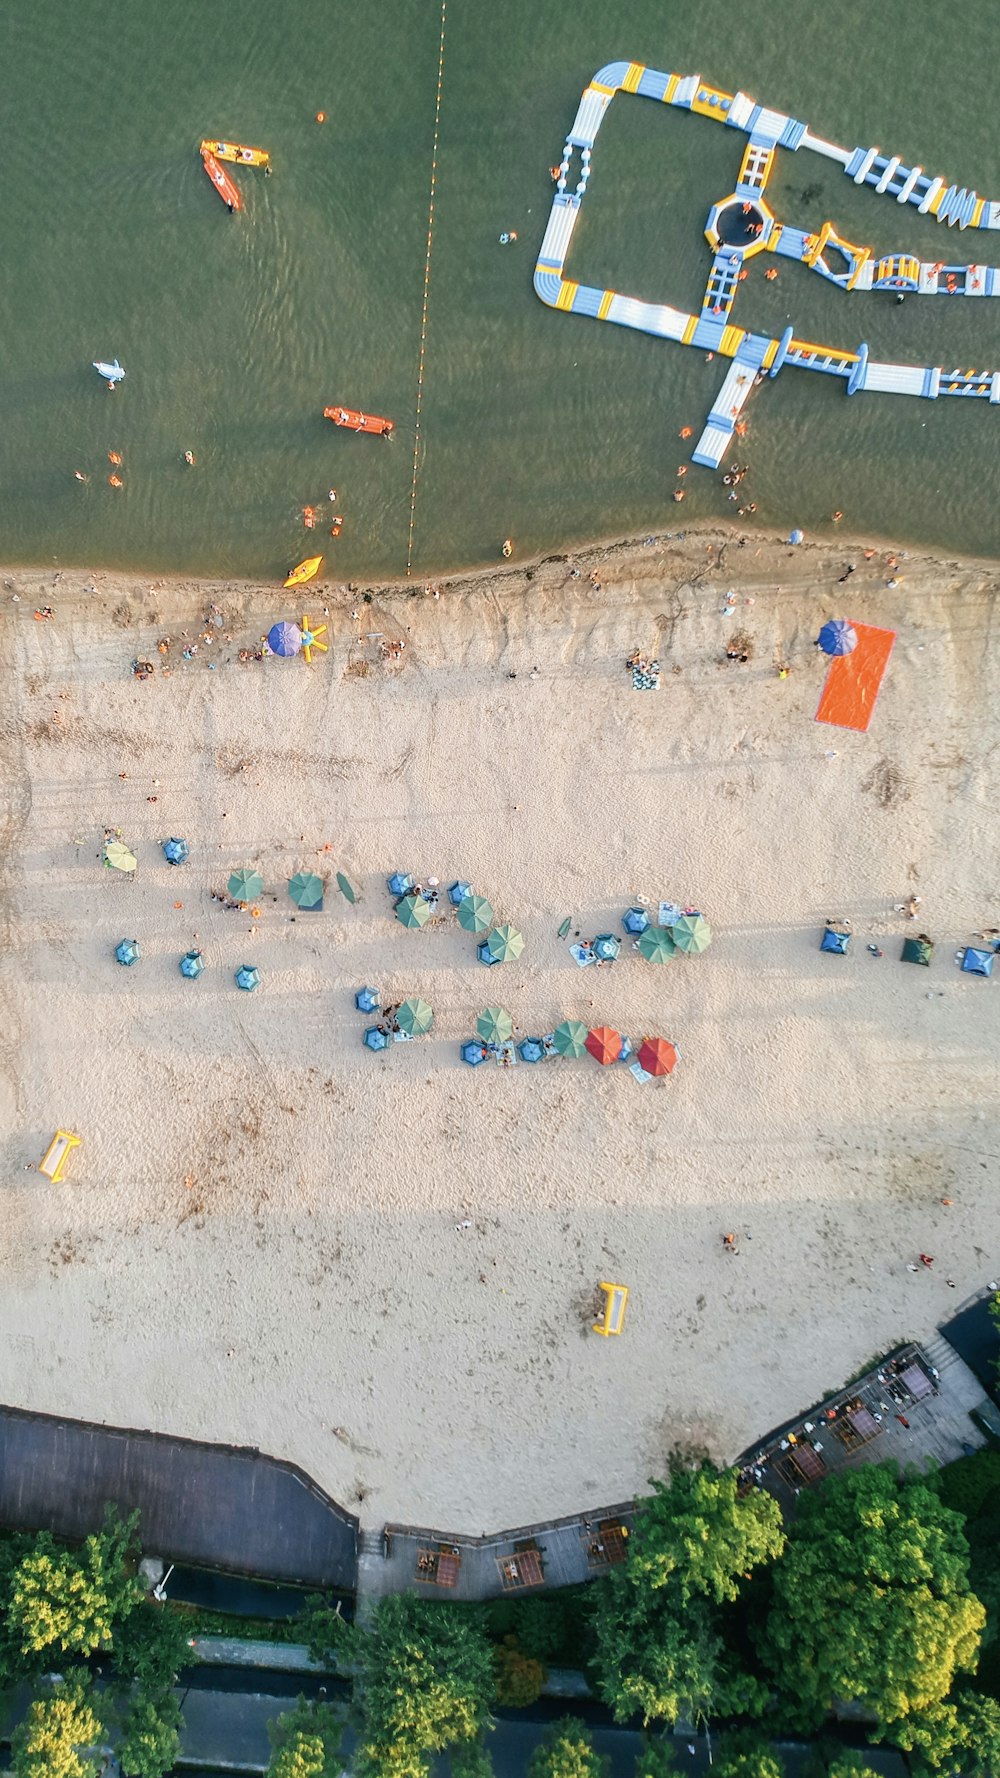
column 226, row 187
column 356, row 421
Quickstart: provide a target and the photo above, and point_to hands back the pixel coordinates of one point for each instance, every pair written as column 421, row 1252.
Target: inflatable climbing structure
column 742, row 225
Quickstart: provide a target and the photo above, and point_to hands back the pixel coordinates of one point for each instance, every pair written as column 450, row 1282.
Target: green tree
column 305, row 1742
column 329, row 1638
column 519, row 1679
column 567, row 1751
column 150, row 1740
column 55, row 1737
column 151, row 1646
column 425, row 1680
column 747, row 1755
column 657, row 1621
column 471, row 1759
column 850, row 1765
column 68, row 1602
column 871, row 1603
column 962, row 1734
column 656, row 1758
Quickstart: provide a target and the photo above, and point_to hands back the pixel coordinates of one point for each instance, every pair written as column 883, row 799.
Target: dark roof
column 214, row 1506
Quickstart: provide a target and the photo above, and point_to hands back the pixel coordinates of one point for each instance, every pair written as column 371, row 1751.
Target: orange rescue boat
column 358, row 422
column 227, row 188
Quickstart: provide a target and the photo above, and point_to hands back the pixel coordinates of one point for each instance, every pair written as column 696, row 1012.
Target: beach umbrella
column 247, row 978
column 413, row 911
column 531, row 1050
column 604, row 1044
column 192, row 965
column 475, row 913
column 570, row 1038
column 458, row 892
column 306, row 890
column 837, row 637
column 635, row 920
column 284, row 639
column 485, row 956
column 564, row 926
column 505, row 944
column 399, row 882
column 917, row 950
column 607, row 946
column 176, row 851
column 414, row 1017
column 835, row 941
column 117, row 856
column 246, row 885
column 977, row 962
column 494, row 1025
column 657, row 1056
column 375, row 1039
column 656, row 944
column 367, row 1000
column 796, row 536
column 474, row 1052
column 346, row 887
column 692, row 934
column 127, row 952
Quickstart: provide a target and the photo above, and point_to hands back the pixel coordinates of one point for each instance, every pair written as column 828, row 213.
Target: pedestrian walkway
column 532, row 1559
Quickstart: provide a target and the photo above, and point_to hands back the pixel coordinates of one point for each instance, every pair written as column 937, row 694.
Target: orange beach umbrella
column 604, row 1044
column 657, row 1056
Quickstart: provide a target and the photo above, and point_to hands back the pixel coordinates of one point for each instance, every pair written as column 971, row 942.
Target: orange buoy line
column 422, row 359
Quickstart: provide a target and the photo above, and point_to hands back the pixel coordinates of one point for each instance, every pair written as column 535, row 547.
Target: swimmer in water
column 189, row 459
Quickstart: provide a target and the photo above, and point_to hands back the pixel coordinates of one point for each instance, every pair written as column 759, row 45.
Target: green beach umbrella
column 346, row 888
column 692, row 933
column 505, row 944
column 494, row 1025
column 656, row 944
column 246, row 885
column 475, row 913
column 413, row 910
column 570, row 1038
column 415, row 1017
column 117, row 856
column 306, row 889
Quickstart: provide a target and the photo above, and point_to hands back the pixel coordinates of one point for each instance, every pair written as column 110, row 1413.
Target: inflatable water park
column 742, row 225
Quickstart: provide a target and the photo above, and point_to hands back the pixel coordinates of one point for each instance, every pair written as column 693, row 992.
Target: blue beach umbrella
column 835, row 941
column 399, row 882
column 458, row 892
column 485, row 955
column 284, row 639
column 192, row 965
column 176, row 851
column 837, row 637
column 977, row 962
column 367, row 1000
column 531, row 1050
column 796, row 536
column 247, row 978
column 127, row 952
column 635, row 920
column 374, row 1039
column 474, row 1052
column 607, row 946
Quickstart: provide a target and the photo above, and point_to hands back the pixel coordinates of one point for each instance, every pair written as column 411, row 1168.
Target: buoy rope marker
column 421, row 360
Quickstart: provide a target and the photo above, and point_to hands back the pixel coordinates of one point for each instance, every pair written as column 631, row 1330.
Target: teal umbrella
column 414, row 1017
column 505, row 944
column 692, row 933
column 570, row 1038
column 306, row 889
column 494, row 1025
column 475, row 913
column 246, row 885
column 346, row 887
column 248, row 977
column 413, row 910
column 656, row 944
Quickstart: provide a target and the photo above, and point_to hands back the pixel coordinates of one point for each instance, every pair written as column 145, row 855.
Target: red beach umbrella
column 657, row 1056
column 604, row 1044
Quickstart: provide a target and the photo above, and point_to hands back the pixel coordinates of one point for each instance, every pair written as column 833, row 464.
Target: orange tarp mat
column 852, row 684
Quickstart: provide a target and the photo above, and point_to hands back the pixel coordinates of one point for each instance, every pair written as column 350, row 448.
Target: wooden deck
column 213, row 1506
column 531, row 1559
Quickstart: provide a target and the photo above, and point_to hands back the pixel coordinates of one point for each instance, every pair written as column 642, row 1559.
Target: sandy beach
column 260, row 1240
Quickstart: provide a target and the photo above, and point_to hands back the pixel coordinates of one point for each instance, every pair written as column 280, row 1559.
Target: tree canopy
column 66, row 1602
column 961, row 1734
column 747, row 1756
column 657, row 1623
column 150, row 1740
column 425, row 1677
column 56, row 1735
column 871, row 1603
column 305, row 1742
column 567, row 1751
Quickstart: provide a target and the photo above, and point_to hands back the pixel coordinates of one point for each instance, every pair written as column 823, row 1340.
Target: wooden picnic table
column 521, row 1569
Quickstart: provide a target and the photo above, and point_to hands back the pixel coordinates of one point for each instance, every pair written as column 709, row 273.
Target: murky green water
column 236, row 331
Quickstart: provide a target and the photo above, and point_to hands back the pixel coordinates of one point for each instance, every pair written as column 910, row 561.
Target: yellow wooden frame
column 57, row 1154
column 613, row 1320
